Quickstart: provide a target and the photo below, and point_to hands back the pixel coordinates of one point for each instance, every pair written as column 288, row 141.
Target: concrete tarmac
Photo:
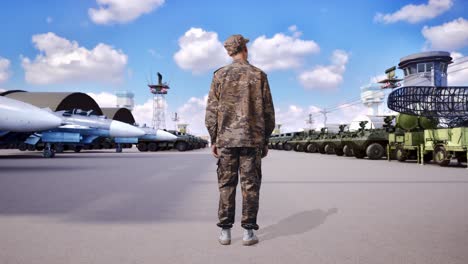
column 147, row 208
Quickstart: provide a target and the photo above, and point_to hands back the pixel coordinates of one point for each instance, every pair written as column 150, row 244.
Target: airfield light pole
column 159, row 92
column 176, row 119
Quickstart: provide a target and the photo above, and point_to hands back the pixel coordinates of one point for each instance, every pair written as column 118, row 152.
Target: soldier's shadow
column 296, row 224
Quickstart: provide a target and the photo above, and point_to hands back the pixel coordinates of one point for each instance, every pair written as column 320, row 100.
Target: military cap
column 235, row 43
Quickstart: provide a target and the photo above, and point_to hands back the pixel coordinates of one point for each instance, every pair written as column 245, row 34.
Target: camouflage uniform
column 240, row 117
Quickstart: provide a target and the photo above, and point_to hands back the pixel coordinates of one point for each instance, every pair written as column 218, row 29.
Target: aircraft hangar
column 56, row 101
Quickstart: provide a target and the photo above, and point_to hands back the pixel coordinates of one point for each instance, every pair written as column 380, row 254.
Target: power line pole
column 324, row 112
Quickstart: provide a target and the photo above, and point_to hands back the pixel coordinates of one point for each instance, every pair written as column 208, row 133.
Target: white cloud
column 326, row 77
column 449, row 36
column 61, row 60
column 200, row 51
column 122, row 11
column 456, row 55
column 143, row 113
column 104, row 99
column 281, row 52
column 193, row 113
column 295, row 31
column 416, row 13
column 458, row 70
column 4, row 69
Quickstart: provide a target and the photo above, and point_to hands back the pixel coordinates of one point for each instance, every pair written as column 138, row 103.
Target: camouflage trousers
column 247, row 162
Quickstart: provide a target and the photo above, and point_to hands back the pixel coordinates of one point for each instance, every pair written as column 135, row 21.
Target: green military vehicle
column 286, row 142
column 366, row 142
column 418, row 138
column 444, row 144
column 299, row 142
column 334, row 143
column 316, row 142
column 407, row 139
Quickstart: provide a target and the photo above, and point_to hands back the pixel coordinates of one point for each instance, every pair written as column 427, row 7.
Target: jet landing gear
column 118, row 148
column 48, row 152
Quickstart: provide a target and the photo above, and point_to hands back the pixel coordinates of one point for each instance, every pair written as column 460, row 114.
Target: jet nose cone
column 47, row 120
column 165, row 136
column 120, row 129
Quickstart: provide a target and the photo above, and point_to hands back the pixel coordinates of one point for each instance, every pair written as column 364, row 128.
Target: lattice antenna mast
column 310, row 121
column 159, row 92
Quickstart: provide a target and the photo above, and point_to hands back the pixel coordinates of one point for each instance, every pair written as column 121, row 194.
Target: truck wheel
column 440, row 156
column 401, row 154
column 142, row 147
column 31, row 147
column 328, row 149
column 359, row 154
column 348, row 151
column 287, row 146
column 152, row 147
column 339, row 152
column 23, row 147
column 311, row 148
column 375, row 151
column 299, row 148
column 181, row 146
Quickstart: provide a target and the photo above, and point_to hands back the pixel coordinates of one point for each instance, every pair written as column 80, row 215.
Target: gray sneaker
column 225, row 237
column 249, row 238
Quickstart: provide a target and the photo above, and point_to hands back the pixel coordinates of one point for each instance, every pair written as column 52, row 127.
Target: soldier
column 240, row 117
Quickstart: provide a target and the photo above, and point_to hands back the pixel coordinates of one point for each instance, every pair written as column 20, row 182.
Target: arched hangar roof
column 56, row 101
column 119, row 114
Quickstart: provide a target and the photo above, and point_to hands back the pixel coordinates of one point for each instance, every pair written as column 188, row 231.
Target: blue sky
column 147, row 40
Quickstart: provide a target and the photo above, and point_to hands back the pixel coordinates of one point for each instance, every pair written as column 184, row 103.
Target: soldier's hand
column 265, row 151
column 214, row 151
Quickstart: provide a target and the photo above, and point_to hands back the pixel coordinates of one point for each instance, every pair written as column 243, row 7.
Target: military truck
column 366, row 142
column 334, row 143
column 444, row 144
column 284, row 143
column 407, row 139
column 299, row 142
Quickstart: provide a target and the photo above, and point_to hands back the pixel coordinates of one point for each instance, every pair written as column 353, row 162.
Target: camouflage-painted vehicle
column 277, row 141
column 334, row 144
column 307, row 144
column 272, row 140
column 322, row 143
column 367, row 142
column 299, row 142
column 285, row 143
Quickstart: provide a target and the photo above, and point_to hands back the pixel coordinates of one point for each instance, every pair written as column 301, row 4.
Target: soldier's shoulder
column 256, row 69
column 221, row 70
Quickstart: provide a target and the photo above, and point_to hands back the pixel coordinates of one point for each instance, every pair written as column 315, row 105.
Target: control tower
column 426, row 68
column 372, row 96
column 159, row 92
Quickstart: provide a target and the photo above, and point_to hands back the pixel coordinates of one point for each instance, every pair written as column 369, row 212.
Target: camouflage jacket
column 240, row 110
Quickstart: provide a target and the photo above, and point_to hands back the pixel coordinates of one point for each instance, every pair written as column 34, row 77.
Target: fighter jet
column 17, row 116
column 81, row 128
